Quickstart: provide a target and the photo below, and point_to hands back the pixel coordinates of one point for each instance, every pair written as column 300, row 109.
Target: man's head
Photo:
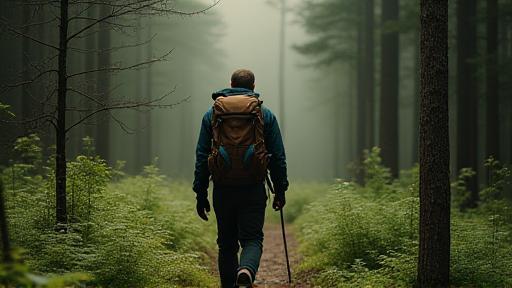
column 242, row 78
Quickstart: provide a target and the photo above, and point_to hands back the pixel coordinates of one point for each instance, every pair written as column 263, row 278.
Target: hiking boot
column 244, row 278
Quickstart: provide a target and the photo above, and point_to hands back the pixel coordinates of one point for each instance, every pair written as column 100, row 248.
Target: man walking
column 238, row 142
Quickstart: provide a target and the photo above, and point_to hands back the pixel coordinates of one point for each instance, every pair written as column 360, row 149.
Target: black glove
column 202, row 206
column 279, row 201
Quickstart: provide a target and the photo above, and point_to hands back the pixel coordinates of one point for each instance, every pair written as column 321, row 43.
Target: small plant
column 460, row 192
column 151, row 181
column 376, row 176
column 117, row 171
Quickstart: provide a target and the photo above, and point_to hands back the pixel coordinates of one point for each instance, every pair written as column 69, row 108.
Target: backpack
column 238, row 156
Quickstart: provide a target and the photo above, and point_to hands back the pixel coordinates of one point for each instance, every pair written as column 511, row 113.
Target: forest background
column 348, row 72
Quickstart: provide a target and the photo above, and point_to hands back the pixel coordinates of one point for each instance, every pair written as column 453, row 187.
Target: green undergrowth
column 123, row 231
column 356, row 236
column 299, row 194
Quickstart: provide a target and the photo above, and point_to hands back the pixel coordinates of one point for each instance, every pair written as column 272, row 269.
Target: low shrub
column 368, row 236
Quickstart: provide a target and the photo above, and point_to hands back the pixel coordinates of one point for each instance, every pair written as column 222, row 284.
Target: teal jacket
column 273, row 143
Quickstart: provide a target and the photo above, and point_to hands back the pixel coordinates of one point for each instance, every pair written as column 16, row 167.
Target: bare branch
column 122, row 125
column 150, row 104
column 117, row 69
column 35, row 24
column 86, row 96
column 11, row 29
column 104, row 22
column 46, row 116
column 113, row 49
column 134, row 7
column 115, row 13
column 26, row 82
column 37, row 3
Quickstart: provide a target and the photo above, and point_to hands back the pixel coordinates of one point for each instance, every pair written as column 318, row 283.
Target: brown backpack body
column 238, row 156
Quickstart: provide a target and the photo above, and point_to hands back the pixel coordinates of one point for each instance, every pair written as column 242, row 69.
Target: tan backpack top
column 238, row 156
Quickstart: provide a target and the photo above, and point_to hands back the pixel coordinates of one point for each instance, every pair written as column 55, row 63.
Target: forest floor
column 272, row 271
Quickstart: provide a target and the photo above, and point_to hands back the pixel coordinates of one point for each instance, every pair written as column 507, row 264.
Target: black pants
column 240, row 213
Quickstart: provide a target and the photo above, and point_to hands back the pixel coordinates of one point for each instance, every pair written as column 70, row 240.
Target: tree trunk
column 416, row 101
column 6, row 245
column 139, row 82
column 361, row 101
column 388, row 132
column 144, row 91
column 365, row 81
column 282, row 55
column 90, row 46
column 103, row 125
column 25, row 53
column 60, row 159
column 467, row 96
column 434, row 249
column 493, row 123
column 149, row 92
column 368, row 70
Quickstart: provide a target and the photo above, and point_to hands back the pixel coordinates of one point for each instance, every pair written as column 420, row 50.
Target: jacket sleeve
column 203, row 149
column 275, row 147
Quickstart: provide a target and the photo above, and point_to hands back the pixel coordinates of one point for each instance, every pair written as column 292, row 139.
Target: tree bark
column 149, row 91
column 493, row 123
column 144, row 90
column 434, row 246
column 140, row 138
column 103, row 125
column 369, row 70
column 90, row 46
column 388, row 132
column 467, row 96
column 6, row 244
column 25, row 53
column 60, row 159
column 365, row 81
column 416, row 101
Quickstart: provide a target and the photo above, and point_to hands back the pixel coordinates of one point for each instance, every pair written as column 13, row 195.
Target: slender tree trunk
column 103, row 125
column 60, row 159
column 388, row 132
column 139, row 82
column 434, row 249
column 6, row 245
column 25, row 52
column 493, row 123
column 467, row 95
column 369, row 70
column 282, row 63
column 144, row 91
column 361, row 101
column 90, row 59
column 365, row 81
column 416, row 101
column 337, row 128
column 46, row 134
column 149, row 93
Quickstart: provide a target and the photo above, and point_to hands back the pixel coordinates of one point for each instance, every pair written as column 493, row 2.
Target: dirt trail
column 272, row 272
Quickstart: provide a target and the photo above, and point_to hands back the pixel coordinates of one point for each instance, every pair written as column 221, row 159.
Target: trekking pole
column 286, row 248
column 269, row 183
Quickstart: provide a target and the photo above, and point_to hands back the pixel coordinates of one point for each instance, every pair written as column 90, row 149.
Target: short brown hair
column 242, row 78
